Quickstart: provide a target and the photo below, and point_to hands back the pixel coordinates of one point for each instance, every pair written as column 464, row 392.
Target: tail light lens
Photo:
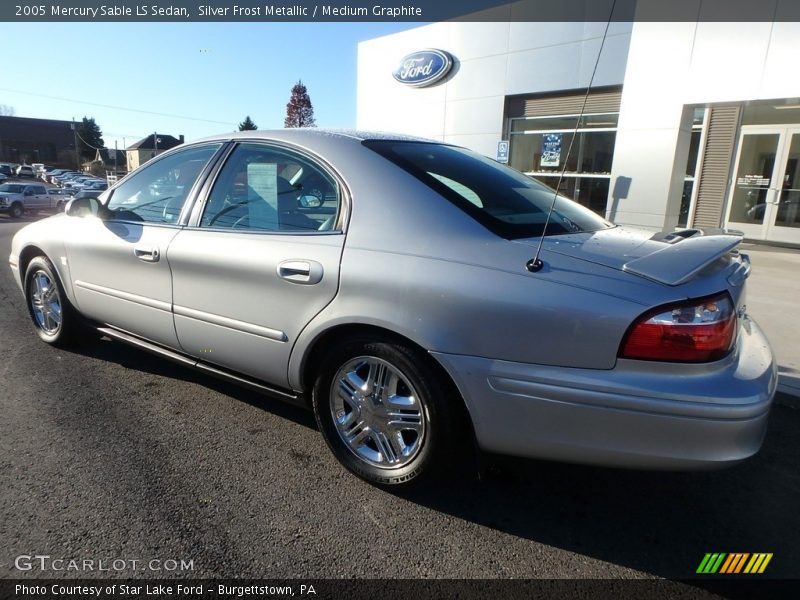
column 693, row 331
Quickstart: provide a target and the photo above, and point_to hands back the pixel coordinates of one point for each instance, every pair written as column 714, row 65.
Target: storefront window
column 540, row 147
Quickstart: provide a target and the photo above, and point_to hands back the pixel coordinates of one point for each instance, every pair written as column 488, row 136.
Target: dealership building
column 687, row 124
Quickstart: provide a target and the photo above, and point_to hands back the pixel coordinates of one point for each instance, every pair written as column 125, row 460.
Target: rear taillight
column 693, row 331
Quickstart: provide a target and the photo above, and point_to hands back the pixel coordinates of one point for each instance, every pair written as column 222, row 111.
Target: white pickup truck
column 19, row 198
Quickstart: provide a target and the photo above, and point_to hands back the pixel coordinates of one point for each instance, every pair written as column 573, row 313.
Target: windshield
column 505, row 201
column 11, row 188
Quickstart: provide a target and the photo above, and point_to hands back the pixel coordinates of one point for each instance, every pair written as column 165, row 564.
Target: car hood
column 670, row 259
column 8, row 194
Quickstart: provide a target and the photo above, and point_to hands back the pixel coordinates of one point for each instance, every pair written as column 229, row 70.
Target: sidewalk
column 773, row 300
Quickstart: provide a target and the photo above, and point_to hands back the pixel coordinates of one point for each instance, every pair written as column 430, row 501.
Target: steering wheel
column 166, row 215
column 241, row 221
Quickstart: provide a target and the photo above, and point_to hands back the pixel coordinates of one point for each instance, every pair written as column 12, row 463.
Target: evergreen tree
column 89, row 138
column 299, row 110
column 247, row 124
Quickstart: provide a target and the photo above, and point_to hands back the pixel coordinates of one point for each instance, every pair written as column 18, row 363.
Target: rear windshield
column 505, row 201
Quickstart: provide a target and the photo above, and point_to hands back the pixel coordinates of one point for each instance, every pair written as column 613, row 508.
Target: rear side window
column 504, row 200
column 267, row 188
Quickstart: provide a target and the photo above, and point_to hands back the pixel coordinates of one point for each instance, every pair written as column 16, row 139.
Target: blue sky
column 214, row 73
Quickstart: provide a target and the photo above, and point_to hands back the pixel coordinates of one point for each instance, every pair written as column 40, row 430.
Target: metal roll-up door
column 606, row 101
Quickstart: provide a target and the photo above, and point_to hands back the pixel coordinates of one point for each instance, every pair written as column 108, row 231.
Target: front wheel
column 16, row 210
column 55, row 320
column 385, row 412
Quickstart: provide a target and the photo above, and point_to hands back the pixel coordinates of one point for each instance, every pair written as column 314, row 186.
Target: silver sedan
column 392, row 285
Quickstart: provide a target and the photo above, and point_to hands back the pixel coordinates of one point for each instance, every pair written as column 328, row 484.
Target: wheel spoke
column 386, row 447
column 357, row 434
column 50, row 322
column 369, row 382
column 349, row 392
column 37, row 288
column 49, row 294
column 401, row 401
column 405, row 422
column 346, row 420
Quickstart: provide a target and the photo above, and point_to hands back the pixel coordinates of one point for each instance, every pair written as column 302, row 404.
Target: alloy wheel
column 377, row 412
column 45, row 303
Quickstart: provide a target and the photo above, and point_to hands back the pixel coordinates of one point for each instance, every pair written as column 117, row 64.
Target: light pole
column 75, row 137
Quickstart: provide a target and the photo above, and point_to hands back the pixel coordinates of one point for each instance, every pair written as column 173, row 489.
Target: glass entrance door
column 764, row 201
column 784, row 223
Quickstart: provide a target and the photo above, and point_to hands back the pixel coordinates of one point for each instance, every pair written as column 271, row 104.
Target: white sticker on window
column 262, row 183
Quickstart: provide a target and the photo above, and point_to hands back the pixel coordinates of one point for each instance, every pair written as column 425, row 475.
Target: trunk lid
column 670, row 259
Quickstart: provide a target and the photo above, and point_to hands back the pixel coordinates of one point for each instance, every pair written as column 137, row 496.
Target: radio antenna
column 535, row 264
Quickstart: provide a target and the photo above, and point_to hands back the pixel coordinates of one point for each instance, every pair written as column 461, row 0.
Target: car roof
column 310, row 134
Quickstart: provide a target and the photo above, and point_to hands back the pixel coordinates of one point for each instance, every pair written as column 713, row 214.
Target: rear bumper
column 638, row 414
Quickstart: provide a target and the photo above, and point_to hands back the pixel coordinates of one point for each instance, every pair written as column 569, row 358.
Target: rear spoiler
column 687, row 253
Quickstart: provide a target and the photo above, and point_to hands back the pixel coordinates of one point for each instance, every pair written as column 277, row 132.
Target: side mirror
column 81, row 207
column 27, row 193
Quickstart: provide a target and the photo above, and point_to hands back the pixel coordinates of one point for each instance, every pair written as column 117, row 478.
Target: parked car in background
column 52, row 173
column 82, row 194
column 81, row 185
column 78, row 182
column 66, row 177
column 50, row 177
column 25, row 171
column 60, row 194
column 18, row 198
column 389, row 284
column 3, row 178
column 5, row 169
column 97, row 185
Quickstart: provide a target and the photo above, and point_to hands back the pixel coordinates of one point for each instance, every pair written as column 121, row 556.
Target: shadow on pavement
column 658, row 523
column 140, row 360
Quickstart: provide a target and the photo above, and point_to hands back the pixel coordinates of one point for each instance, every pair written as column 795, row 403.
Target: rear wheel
column 16, row 210
column 54, row 318
column 385, row 413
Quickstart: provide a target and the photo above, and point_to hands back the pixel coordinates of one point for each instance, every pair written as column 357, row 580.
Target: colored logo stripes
column 735, row 562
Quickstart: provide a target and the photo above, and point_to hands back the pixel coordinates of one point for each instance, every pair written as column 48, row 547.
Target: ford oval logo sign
column 423, row 68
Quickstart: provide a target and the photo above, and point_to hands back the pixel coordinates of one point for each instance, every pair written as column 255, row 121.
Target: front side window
column 503, row 200
column 156, row 193
column 263, row 188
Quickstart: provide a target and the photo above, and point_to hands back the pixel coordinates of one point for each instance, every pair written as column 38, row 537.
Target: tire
column 16, row 211
column 55, row 320
column 399, row 433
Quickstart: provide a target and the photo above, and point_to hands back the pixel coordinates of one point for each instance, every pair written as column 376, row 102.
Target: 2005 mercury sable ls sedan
column 388, row 282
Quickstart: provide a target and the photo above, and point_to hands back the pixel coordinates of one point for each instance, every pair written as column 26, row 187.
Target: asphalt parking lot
column 108, row 452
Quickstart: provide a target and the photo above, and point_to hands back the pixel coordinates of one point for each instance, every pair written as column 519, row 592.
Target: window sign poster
column 551, row 150
column 502, row 151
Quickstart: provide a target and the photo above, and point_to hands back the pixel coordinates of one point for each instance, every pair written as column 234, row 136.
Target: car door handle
column 304, row 272
column 147, row 254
